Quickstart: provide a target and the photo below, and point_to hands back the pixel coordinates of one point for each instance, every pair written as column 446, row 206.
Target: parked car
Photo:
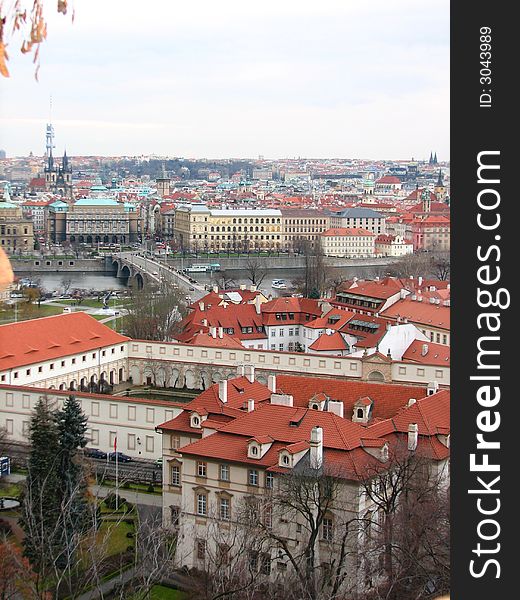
column 158, row 463
column 120, row 457
column 95, row 453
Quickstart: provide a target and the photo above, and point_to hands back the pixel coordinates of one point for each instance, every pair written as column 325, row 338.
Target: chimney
column 336, row 408
column 420, row 280
column 402, row 293
column 215, row 289
column 424, row 350
column 316, row 448
column 432, row 388
column 252, row 288
column 258, row 304
column 213, row 332
column 222, row 390
column 271, row 383
column 221, row 332
column 282, row 399
column 414, row 297
column 242, row 286
column 241, row 371
column 432, row 300
column 411, row 402
column 250, row 405
column 249, row 372
column 201, row 306
column 413, row 436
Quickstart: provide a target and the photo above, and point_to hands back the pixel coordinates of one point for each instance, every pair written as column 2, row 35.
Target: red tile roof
column 422, row 313
column 38, row 340
column 329, row 342
column 427, row 353
column 388, row 398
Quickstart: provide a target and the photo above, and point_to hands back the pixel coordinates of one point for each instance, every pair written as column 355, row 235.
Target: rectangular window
column 113, row 411
column 149, row 443
column 269, row 480
column 26, row 401
column 201, row 549
column 327, row 530
column 9, row 399
column 150, row 414
column 9, row 426
column 202, row 504
column 175, row 513
column 252, row 477
column 224, row 473
column 25, row 428
column 131, row 413
column 175, row 473
column 112, row 438
column 94, row 409
column 201, row 469
column 94, row 435
column 131, row 441
column 225, row 509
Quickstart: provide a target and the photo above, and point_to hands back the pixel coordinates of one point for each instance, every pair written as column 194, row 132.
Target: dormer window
column 285, row 459
column 315, row 406
column 195, row 421
column 359, row 413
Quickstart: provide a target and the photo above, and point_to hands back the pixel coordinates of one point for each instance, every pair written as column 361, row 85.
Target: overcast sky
column 235, row 78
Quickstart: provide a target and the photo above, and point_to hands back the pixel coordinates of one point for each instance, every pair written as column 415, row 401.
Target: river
column 100, row 281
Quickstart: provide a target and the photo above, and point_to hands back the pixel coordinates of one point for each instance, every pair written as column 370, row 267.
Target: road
column 159, row 271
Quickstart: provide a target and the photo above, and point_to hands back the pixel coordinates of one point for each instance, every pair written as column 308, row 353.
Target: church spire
column 435, row 159
column 440, row 182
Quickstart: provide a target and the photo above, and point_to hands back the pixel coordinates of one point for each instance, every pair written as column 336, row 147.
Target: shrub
column 150, row 488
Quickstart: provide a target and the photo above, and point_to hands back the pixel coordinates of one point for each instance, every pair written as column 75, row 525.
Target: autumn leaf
column 3, row 58
column 62, row 6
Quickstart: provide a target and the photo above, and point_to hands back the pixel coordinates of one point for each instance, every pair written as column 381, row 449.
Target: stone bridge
column 140, row 270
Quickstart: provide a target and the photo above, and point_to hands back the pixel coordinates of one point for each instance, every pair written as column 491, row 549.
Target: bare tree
column 316, row 271
column 154, row 313
column 407, row 528
column 441, row 267
column 223, row 280
column 255, row 271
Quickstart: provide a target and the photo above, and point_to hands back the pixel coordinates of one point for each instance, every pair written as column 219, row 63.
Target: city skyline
column 288, row 81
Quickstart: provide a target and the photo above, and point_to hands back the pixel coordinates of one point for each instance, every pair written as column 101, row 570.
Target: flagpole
column 117, row 473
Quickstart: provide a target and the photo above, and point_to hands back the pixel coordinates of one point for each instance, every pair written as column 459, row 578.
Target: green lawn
column 10, row 490
column 26, row 312
column 117, row 540
column 160, row 592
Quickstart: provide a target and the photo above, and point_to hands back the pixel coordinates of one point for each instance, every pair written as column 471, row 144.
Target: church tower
column 58, row 178
column 426, row 200
column 440, row 188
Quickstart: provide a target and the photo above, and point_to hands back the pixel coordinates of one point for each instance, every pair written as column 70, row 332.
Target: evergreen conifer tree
column 72, row 425
column 42, row 496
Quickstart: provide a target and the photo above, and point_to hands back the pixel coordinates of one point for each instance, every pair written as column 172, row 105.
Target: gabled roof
column 329, row 342
column 37, row 340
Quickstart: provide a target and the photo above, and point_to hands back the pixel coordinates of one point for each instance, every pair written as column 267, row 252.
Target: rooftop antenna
column 49, row 135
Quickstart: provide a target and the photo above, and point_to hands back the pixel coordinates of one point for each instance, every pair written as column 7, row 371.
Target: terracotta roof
column 388, row 398
column 38, row 340
column 329, row 342
column 422, row 313
column 388, row 179
column 427, row 353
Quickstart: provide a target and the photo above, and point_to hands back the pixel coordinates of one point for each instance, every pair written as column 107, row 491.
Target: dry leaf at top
column 3, row 58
